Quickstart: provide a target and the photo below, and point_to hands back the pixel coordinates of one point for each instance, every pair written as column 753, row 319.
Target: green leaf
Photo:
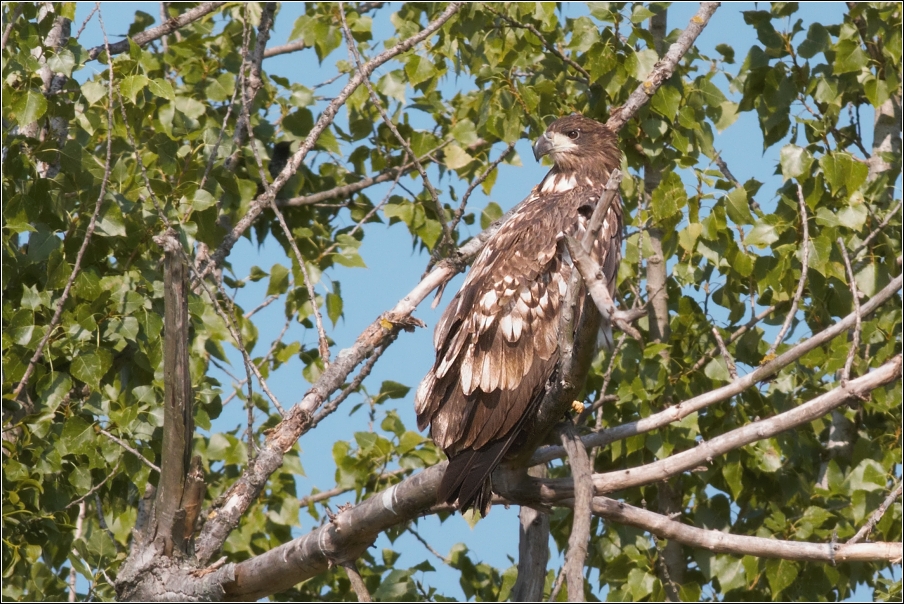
column 490, row 214
column 279, row 280
column 132, row 85
column 717, row 370
column 780, row 574
column 843, row 171
column 76, row 435
column 795, row 161
column 162, row 88
column 455, row 157
column 738, row 207
column 333, row 307
column 419, row 69
column 668, row 197
column 762, row 235
column 28, row 107
column 92, row 366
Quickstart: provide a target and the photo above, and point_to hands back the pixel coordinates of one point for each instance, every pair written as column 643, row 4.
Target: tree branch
column 804, row 266
column 92, row 224
column 663, row 69
column 326, row 118
column 149, row 35
column 355, row 528
column 437, row 204
column 742, row 545
column 580, row 526
column 876, row 516
column 692, row 405
column 707, row 450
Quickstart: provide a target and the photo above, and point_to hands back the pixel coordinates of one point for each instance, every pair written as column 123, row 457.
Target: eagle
column 497, row 342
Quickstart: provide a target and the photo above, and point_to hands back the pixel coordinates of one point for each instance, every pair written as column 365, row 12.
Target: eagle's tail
column 468, row 478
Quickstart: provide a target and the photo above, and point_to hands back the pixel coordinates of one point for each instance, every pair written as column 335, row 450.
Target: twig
column 477, row 182
column 270, row 299
column 888, row 217
column 357, row 582
column 326, row 118
column 557, row 586
column 804, row 266
column 876, row 516
column 429, row 547
column 331, row 406
column 723, row 168
column 323, row 342
column 438, row 206
column 361, row 8
column 149, row 35
column 529, row 27
column 734, row 336
column 263, row 361
column 92, row 224
column 94, row 489
column 236, row 334
column 663, row 69
column 692, row 405
column 367, row 216
column 85, row 21
column 580, row 527
column 134, row 452
column 855, row 295
column 15, row 17
column 729, row 362
column 349, row 189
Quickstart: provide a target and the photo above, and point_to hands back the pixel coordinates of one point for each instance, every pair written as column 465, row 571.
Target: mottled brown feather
column 497, row 342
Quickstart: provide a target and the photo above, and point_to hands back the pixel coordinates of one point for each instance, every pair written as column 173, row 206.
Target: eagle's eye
column 574, row 134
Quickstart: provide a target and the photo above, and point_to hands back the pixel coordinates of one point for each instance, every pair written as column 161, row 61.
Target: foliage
column 176, row 159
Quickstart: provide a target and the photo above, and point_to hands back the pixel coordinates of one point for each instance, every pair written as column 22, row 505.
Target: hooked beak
column 542, row 146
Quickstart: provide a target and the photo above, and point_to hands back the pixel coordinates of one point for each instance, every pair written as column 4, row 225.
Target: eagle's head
column 580, row 144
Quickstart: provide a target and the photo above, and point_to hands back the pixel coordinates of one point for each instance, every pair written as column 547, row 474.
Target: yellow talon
column 386, row 324
column 578, row 406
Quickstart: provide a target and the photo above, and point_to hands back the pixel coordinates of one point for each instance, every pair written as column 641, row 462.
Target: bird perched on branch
column 497, row 344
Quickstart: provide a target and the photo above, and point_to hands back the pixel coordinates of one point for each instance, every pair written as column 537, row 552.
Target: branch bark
column 533, row 549
column 692, row 405
column 580, row 526
column 149, row 35
column 326, row 118
column 663, row 69
column 742, row 545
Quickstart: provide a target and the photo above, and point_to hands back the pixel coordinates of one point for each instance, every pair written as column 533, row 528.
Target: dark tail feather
column 468, row 477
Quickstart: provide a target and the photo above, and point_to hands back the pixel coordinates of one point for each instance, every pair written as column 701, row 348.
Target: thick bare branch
column 354, row 529
column 149, row 35
column 580, row 526
column 707, row 450
column 533, row 549
column 683, row 409
column 742, row 545
column 663, row 69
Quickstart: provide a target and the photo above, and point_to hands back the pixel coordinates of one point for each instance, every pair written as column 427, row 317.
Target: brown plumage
column 497, row 342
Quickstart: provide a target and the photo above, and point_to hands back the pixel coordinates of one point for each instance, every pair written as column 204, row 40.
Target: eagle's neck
column 564, row 178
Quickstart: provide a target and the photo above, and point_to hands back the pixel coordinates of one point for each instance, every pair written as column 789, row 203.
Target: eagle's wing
column 497, row 342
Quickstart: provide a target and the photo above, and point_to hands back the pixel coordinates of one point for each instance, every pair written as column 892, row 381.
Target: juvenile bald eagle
column 497, row 342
